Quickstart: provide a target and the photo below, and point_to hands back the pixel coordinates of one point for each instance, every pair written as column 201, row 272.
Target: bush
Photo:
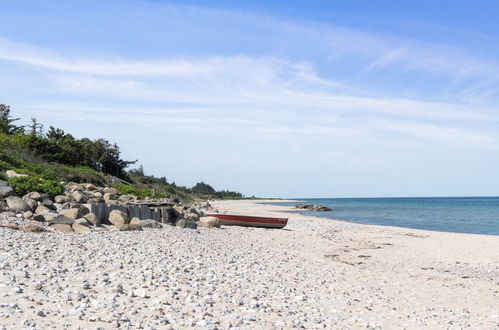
column 25, row 184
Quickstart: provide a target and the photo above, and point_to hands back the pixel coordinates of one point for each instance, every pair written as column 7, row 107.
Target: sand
column 315, row 273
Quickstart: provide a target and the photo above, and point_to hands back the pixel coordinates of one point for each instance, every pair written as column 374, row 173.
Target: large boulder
column 208, row 222
column 191, row 217
column 93, row 219
column 61, row 220
column 117, row 217
column 79, row 197
column 34, row 195
column 182, row 223
column 149, row 223
column 61, row 199
column 41, row 209
column 48, row 203
column 111, row 190
column 6, row 191
column 63, row 228
column 17, row 204
column 79, row 228
column 72, row 214
column 31, row 202
column 126, row 227
column 110, row 197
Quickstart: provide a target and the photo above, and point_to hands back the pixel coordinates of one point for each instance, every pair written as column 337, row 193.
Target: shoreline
column 301, row 212
column 311, row 274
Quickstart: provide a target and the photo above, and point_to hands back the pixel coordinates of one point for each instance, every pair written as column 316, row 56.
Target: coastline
column 314, row 273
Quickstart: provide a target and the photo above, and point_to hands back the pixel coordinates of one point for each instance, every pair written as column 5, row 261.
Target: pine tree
column 6, row 126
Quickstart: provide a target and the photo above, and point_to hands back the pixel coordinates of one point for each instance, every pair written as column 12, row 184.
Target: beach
column 314, row 273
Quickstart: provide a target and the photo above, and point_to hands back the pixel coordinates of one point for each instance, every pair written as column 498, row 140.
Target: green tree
column 35, row 128
column 6, row 126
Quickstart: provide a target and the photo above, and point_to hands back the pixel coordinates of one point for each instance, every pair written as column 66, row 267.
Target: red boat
column 250, row 221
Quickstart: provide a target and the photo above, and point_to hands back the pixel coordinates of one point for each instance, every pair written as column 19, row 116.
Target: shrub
column 25, row 184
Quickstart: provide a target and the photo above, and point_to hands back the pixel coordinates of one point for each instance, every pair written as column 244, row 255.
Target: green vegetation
column 25, row 184
column 55, row 156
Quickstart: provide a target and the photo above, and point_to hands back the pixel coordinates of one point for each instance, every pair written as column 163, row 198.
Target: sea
column 474, row 215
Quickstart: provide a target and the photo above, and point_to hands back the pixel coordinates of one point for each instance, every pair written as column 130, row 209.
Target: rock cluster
column 70, row 213
column 309, row 207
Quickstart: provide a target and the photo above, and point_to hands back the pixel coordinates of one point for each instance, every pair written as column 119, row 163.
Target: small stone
column 39, row 218
column 17, row 290
column 28, row 215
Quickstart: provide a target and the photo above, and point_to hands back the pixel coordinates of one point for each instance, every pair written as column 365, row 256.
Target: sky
column 287, row 99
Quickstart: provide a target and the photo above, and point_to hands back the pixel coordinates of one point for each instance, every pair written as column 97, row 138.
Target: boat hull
column 250, row 221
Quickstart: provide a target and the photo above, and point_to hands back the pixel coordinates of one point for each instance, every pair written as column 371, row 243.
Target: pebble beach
column 314, row 273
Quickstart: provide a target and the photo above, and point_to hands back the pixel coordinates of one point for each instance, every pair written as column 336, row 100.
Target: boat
column 250, row 221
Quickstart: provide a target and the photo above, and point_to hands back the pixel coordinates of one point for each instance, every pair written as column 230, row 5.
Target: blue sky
column 274, row 98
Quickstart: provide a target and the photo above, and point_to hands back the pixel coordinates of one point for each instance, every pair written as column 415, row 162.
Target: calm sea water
column 477, row 215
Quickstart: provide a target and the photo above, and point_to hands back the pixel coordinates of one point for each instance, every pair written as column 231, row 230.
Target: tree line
column 56, row 145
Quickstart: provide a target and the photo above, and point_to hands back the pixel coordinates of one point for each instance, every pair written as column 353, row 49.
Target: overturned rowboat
column 250, row 221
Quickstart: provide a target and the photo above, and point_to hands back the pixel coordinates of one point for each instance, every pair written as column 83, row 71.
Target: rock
column 83, row 222
column 191, row 217
column 39, row 218
column 79, row 197
column 97, row 194
column 90, row 187
column 317, row 208
column 6, row 191
column 61, row 220
column 3, row 206
column 110, row 197
column 61, row 199
column 35, row 195
column 126, row 227
column 135, row 221
column 32, row 228
column 63, row 228
column 28, row 215
column 12, row 174
column 182, row 223
column 31, row 202
column 140, row 293
column 42, row 209
column 149, row 223
column 47, row 203
column 17, row 204
column 6, row 215
column 93, row 219
column 3, row 183
column 9, row 226
column 208, row 222
column 95, row 200
column 117, row 217
column 72, row 214
column 78, row 228
column 111, row 190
